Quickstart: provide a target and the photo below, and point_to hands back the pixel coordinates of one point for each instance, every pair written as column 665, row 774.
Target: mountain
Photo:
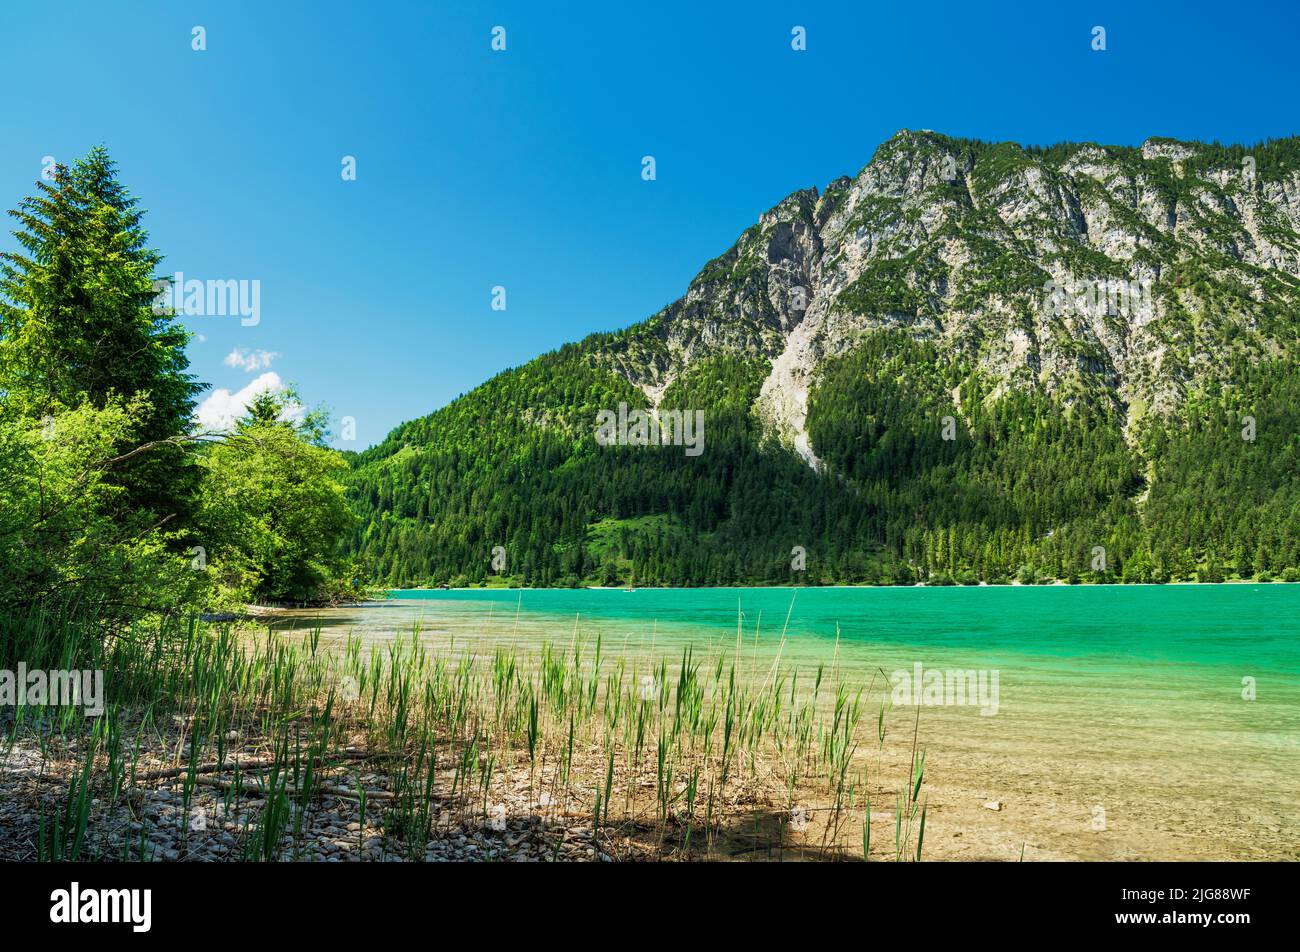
column 971, row 361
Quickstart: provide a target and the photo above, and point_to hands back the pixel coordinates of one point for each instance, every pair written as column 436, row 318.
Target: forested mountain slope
column 970, row 362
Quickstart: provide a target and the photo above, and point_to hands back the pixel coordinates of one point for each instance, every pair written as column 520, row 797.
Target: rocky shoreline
column 156, row 823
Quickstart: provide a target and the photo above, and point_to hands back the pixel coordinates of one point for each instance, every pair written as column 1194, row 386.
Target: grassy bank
column 218, row 743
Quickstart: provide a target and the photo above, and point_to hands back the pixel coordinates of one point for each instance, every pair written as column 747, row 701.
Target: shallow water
column 1119, row 727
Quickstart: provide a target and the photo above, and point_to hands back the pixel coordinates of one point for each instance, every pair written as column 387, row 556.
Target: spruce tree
column 78, row 325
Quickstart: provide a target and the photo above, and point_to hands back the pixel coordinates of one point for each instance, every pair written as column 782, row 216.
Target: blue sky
column 522, row 168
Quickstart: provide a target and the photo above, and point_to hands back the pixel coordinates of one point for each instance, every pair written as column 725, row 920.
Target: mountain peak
column 961, row 241
column 1160, row 147
column 1058, row 311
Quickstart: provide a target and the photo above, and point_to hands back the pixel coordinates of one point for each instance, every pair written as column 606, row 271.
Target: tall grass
column 670, row 756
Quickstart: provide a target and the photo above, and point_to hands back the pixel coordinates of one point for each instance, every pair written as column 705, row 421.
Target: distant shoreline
column 686, row 588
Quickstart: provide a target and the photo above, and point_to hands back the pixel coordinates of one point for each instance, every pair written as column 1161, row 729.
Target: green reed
column 448, row 725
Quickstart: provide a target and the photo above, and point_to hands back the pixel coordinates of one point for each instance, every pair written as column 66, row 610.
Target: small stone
column 994, row 805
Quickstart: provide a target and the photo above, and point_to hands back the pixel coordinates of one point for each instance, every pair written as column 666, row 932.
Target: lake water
column 1121, row 726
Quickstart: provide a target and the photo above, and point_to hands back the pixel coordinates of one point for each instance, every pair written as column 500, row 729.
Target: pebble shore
column 153, row 823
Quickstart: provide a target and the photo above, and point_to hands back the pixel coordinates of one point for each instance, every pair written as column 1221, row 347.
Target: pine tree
column 78, row 325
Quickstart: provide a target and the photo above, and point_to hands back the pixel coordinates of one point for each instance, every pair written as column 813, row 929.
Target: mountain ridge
column 1117, row 285
column 841, row 206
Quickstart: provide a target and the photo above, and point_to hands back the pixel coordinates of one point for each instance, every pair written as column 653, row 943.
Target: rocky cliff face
column 1115, row 327
column 1093, row 273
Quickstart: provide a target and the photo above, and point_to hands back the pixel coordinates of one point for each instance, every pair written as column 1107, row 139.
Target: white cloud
column 222, row 408
column 250, row 361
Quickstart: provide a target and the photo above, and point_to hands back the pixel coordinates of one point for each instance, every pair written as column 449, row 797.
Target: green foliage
column 498, row 470
column 888, row 286
column 110, row 507
column 66, row 540
column 274, row 508
column 1028, row 489
column 77, row 324
column 1020, row 480
column 1227, row 490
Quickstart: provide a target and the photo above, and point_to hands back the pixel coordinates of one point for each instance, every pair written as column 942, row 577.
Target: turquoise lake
column 1257, row 626
column 1132, row 722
